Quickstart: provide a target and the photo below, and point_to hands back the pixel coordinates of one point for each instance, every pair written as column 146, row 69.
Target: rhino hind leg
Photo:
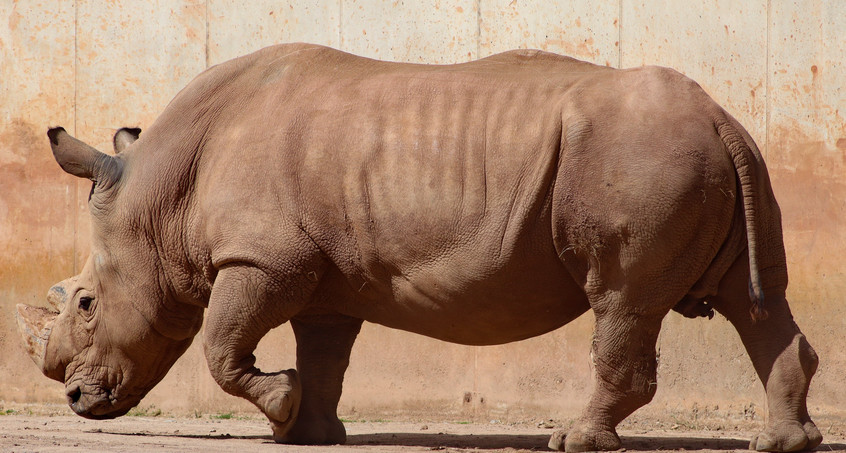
column 324, row 343
column 782, row 357
column 625, row 364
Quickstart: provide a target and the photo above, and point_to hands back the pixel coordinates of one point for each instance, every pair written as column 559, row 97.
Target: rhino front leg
column 783, row 360
column 625, row 365
column 245, row 304
column 324, row 343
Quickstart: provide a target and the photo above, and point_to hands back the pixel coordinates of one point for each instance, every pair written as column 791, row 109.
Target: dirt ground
column 28, row 431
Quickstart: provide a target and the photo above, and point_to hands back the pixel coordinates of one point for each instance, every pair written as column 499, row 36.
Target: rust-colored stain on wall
column 93, row 66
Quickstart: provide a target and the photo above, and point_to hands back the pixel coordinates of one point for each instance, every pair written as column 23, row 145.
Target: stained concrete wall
column 94, row 66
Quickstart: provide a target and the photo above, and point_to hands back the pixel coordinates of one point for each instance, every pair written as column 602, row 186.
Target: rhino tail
column 745, row 165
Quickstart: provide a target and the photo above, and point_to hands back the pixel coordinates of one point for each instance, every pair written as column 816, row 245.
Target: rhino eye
column 85, row 302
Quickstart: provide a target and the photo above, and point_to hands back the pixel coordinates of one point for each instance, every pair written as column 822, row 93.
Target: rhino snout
column 94, row 403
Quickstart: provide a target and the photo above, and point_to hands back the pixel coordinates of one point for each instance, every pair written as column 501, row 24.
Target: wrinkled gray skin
column 479, row 203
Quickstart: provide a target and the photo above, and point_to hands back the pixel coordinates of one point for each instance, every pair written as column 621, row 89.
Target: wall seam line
column 767, row 104
column 75, row 131
column 207, row 33
column 341, row 24
column 478, row 29
column 620, row 36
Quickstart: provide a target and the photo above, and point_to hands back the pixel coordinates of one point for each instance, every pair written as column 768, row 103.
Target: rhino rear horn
column 124, row 137
column 57, row 296
column 80, row 159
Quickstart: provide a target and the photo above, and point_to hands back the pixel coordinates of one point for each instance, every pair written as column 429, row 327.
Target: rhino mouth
column 95, row 402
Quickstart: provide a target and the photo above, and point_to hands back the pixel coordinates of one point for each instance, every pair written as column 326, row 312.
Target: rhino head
column 105, row 335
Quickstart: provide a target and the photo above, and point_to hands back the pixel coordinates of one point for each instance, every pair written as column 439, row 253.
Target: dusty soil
column 22, row 432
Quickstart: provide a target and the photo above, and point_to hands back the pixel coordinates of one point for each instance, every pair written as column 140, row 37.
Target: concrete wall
column 94, row 66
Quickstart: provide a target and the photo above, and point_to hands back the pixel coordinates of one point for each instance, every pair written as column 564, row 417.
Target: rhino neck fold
column 157, row 201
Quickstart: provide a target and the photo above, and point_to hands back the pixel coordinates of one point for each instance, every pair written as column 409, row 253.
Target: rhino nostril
column 74, row 394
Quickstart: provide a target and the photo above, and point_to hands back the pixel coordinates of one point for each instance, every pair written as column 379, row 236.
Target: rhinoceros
column 477, row 203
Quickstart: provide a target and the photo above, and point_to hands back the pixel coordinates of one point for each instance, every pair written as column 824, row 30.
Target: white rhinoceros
column 477, row 203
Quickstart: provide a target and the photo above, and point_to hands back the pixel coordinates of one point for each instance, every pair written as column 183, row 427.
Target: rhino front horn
column 35, row 325
column 80, row 159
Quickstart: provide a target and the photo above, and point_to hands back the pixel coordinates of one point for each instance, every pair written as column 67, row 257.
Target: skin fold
column 478, row 203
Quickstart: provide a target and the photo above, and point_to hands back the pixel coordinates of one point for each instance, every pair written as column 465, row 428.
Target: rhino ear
column 80, row 159
column 124, row 137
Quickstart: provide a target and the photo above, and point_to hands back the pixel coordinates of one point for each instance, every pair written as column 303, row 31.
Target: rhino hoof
column 280, row 407
column 556, row 442
column 787, row 436
column 283, row 404
column 584, row 439
column 282, row 413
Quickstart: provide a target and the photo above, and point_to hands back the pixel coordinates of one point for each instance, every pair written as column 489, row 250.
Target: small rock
column 546, row 424
column 424, row 427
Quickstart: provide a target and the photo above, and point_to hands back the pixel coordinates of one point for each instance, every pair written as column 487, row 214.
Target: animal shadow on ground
column 181, row 435
column 539, row 442
column 499, row 441
column 435, row 440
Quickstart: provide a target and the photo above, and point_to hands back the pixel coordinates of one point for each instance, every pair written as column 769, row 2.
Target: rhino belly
column 506, row 306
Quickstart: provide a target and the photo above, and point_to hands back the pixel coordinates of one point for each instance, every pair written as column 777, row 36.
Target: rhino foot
column 581, row 438
column 787, row 436
column 316, row 430
column 282, row 404
column 281, row 411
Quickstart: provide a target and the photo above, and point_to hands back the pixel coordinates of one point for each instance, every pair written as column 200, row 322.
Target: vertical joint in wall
column 767, row 84
column 75, row 197
column 478, row 29
column 340, row 24
column 620, row 36
column 207, row 33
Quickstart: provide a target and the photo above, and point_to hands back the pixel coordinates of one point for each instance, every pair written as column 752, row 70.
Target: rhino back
column 418, row 182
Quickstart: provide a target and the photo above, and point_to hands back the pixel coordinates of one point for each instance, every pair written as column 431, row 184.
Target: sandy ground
column 63, row 433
